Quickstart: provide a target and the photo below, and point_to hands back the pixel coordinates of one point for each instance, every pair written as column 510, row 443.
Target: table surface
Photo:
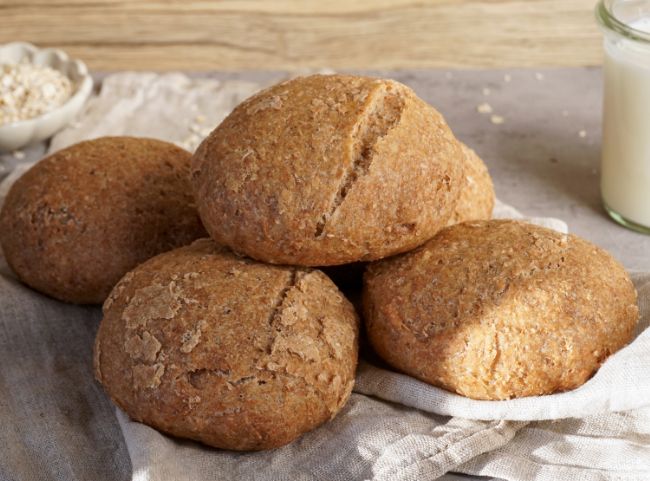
column 288, row 34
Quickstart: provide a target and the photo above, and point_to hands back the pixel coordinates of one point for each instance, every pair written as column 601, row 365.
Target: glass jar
column 625, row 173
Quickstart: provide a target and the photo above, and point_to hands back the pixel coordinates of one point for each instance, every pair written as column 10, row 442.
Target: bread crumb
column 486, row 91
column 18, row 154
column 582, row 134
column 497, row 119
column 507, row 78
column 484, row 108
column 539, row 76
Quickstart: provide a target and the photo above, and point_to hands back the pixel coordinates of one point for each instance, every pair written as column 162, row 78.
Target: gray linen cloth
column 393, row 428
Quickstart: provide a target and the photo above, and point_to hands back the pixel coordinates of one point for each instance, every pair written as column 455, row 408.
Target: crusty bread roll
column 78, row 220
column 476, row 200
column 205, row 345
column 326, row 170
column 499, row 309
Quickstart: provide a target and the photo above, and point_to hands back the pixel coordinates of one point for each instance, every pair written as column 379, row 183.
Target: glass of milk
column 625, row 179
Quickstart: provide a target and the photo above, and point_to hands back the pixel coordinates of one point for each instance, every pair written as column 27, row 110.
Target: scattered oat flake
column 486, row 91
column 507, row 78
column 497, row 119
column 200, row 118
column 539, row 76
column 582, row 134
column 484, row 108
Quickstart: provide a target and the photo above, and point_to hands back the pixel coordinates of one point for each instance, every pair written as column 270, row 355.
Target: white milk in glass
column 625, row 181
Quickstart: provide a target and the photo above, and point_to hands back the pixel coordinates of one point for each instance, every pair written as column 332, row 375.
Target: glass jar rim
column 608, row 21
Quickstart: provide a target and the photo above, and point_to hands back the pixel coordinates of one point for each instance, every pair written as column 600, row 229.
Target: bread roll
column 476, row 200
column 236, row 354
column 326, row 170
column 78, row 220
column 500, row 309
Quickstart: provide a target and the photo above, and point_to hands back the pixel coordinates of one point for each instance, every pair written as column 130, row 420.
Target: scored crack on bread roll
column 237, row 354
column 499, row 309
column 476, row 201
column 81, row 218
column 326, row 170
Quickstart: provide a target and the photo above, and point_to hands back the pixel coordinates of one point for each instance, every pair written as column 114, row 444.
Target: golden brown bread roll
column 476, row 200
column 78, row 220
column 499, row 309
column 326, row 170
column 205, row 345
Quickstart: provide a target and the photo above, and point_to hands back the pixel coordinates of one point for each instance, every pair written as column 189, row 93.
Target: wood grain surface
column 294, row 34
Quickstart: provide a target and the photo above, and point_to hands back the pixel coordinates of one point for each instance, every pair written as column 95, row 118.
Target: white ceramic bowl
column 19, row 134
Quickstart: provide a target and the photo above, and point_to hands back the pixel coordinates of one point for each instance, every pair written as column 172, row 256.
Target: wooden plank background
column 290, row 34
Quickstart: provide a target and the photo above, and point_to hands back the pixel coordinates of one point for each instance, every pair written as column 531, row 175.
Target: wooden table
column 292, row 34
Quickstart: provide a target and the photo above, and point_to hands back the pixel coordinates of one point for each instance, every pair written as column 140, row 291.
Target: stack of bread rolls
column 239, row 340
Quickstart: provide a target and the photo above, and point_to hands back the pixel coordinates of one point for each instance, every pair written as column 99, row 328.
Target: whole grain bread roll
column 78, row 220
column 202, row 344
column 499, row 309
column 328, row 169
column 476, row 200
